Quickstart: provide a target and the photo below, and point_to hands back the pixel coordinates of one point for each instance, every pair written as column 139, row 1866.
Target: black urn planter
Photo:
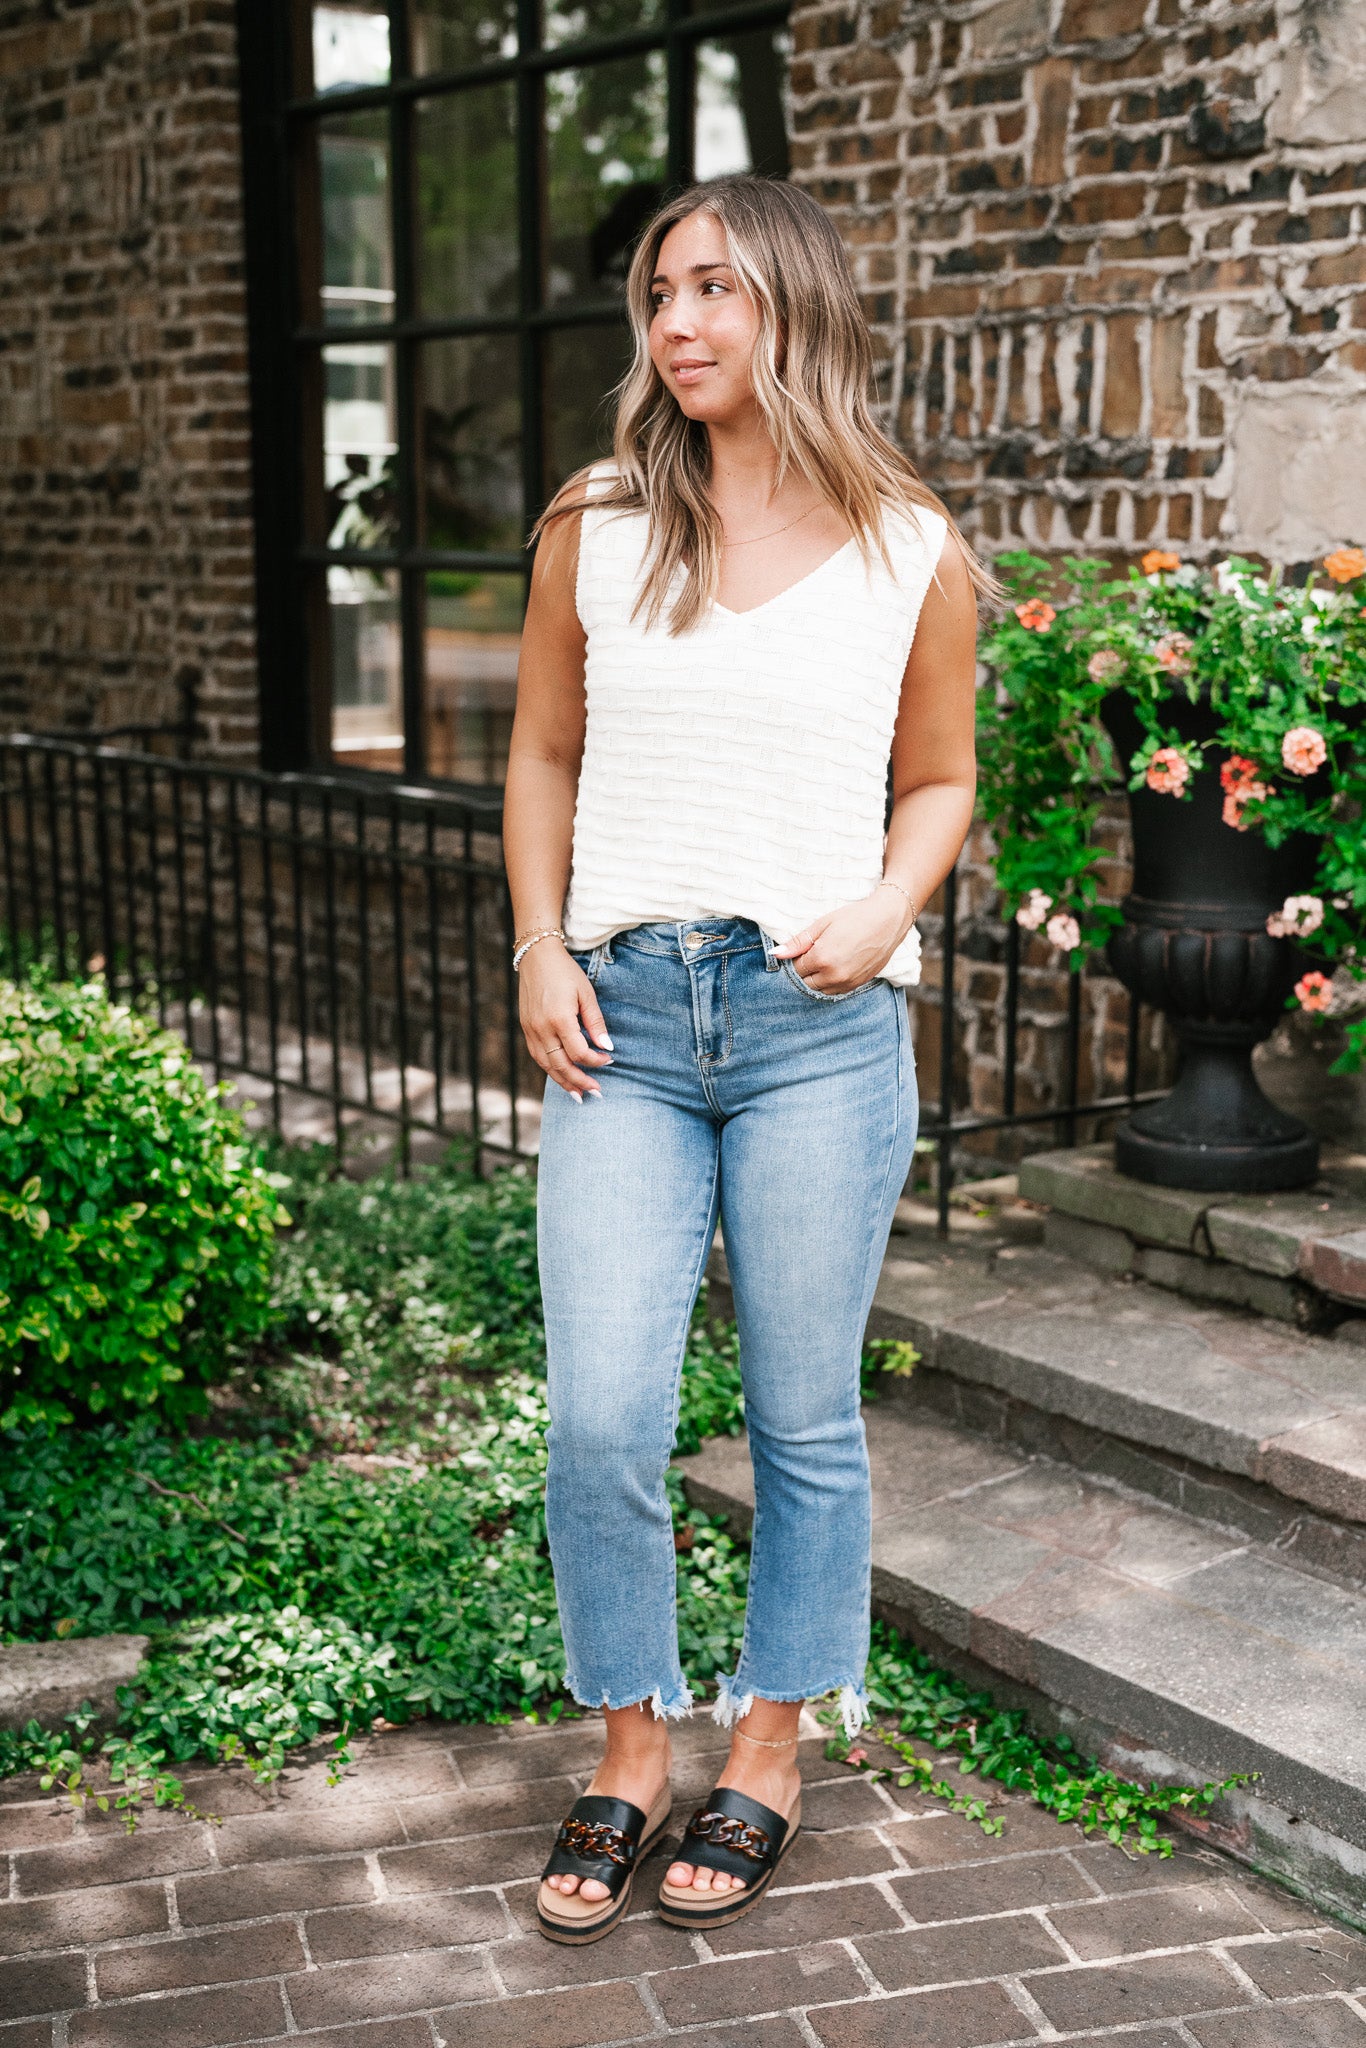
column 1194, row 944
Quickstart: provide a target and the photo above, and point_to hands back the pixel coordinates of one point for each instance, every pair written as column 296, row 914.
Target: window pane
column 360, row 444
column 606, row 140
column 567, row 20
column 581, row 366
column 474, row 625
column 350, row 46
column 471, row 445
column 467, row 202
column 358, row 269
column 740, row 113
column 450, row 33
column 367, row 682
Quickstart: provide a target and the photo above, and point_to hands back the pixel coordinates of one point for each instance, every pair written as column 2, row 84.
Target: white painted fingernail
column 605, row 1042
column 575, row 1095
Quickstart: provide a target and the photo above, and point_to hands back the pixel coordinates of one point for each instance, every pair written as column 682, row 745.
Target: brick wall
column 1112, row 254
column 1112, row 251
column 125, row 526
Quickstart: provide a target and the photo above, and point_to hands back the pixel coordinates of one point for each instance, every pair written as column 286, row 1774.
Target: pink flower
column 1104, row 662
column 1172, row 653
column 1034, row 910
column 1241, row 787
column 1168, row 772
column 1303, row 750
column 1296, row 918
column 1064, row 932
column 1035, row 616
column 857, row 1756
column 1314, row 991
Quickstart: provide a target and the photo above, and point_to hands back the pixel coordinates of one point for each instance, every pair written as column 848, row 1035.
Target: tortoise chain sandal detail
column 736, row 1834
column 600, row 1838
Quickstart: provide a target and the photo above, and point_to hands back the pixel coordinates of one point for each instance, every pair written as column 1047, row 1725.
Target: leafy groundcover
column 356, row 1532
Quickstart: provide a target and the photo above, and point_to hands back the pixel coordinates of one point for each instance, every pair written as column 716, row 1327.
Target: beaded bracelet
column 524, row 946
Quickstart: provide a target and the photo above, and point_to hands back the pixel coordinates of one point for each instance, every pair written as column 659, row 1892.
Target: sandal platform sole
column 579, row 1937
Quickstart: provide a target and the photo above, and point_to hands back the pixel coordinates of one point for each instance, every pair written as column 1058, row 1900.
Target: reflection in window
column 466, row 190
column 358, row 270
column 360, row 445
column 448, row 34
column 740, row 118
column 582, row 364
column 350, row 47
column 471, row 443
column 568, row 20
column 474, row 624
column 606, row 145
column 367, row 683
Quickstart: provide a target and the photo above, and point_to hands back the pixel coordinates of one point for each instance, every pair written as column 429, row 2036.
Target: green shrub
column 136, row 1223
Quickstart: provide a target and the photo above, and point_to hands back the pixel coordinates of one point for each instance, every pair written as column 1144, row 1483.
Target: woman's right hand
column 560, row 1015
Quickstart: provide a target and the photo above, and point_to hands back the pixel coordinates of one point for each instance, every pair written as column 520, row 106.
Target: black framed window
column 454, row 189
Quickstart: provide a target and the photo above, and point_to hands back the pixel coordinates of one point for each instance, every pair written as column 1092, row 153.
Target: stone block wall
column 125, row 515
column 1113, row 254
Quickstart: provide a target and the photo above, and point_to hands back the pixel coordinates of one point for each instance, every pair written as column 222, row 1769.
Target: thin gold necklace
column 776, row 531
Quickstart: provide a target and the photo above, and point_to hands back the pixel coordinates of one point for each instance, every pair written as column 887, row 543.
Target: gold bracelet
column 885, row 883
column 524, row 945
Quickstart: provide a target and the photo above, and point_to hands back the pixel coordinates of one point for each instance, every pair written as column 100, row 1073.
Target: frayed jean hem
column 732, row 1705
column 677, row 1707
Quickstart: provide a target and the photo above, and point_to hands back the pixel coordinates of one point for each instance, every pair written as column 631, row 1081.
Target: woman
column 732, row 627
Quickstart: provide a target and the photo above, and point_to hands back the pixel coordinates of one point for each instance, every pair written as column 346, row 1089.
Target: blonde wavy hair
column 811, row 374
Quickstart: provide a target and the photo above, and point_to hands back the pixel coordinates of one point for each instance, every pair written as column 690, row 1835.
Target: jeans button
column 695, row 939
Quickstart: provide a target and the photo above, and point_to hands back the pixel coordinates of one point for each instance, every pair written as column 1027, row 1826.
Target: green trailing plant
column 136, row 1221
column 1283, row 668
column 931, row 1708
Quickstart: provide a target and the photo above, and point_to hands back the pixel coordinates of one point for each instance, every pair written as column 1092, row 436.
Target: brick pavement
column 395, row 1911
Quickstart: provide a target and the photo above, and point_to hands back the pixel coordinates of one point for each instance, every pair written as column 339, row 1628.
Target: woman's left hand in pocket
column 839, row 952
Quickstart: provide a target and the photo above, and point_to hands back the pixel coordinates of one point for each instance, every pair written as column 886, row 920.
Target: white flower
column 1296, row 918
column 1064, row 932
column 1034, row 910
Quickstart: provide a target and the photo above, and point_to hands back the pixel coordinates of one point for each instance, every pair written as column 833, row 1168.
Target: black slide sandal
column 604, row 1839
column 735, row 1834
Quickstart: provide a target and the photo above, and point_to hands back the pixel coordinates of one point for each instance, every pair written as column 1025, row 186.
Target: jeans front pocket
column 594, row 962
column 820, row 995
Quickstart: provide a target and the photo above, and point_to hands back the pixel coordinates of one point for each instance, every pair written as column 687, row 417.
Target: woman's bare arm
column 934, row 782
column 559, row 1011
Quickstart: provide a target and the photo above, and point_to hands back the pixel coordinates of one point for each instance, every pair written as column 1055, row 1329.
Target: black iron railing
column 346, row 946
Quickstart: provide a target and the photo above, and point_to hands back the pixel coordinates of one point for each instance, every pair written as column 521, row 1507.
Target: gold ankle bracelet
column 759, row 1742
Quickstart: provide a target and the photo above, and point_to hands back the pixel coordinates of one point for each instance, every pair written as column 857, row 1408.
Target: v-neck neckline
column 753, row 610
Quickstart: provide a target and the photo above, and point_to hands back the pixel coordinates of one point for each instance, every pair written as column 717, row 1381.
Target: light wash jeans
column 735, row 1090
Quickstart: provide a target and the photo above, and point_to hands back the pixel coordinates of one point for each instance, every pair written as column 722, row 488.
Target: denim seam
column 718, row 1059
column 699, row 1265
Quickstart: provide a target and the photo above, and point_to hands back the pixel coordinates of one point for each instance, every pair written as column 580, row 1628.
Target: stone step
column 1214, row 1394
column 1300, row 1257
column 1167, row 1645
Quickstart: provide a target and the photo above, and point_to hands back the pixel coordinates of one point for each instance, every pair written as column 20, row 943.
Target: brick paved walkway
column 395, row 1912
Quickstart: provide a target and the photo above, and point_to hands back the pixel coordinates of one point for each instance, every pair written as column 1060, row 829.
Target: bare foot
column 636, row 1767
column 769, row 1775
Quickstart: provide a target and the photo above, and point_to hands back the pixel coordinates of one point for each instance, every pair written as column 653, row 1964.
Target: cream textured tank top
column 740, row 770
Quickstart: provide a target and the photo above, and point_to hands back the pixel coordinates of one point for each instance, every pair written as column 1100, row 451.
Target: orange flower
column 1035, row 616
column 1237, row 773
column 1314, row 991
column 1159, row 559
column 1344, row 565
column 1168, row 772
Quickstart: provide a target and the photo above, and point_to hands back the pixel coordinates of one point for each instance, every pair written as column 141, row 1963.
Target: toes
column 593, row 1891
column 567, row 1884
column 680, row 1874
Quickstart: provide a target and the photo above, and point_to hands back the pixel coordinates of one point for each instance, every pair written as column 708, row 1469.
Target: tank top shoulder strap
column 609, row 553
